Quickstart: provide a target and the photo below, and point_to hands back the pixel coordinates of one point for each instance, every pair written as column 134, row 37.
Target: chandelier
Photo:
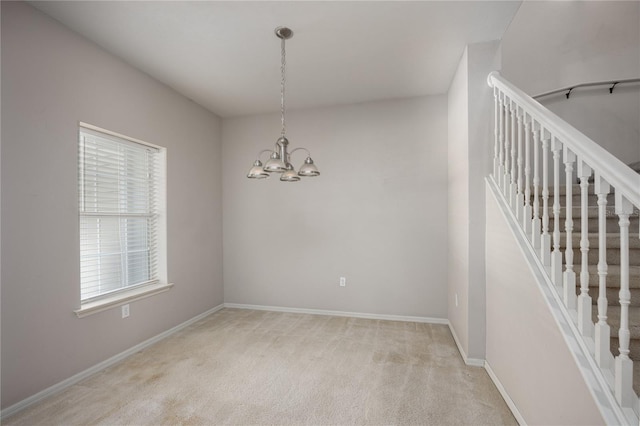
column 280, row 157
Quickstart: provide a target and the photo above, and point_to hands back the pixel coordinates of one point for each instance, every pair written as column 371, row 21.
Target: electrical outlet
column 343, row 281
column 125, row 311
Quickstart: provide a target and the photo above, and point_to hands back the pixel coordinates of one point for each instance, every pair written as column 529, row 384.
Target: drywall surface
column 470, row 153
column 376, row 215
column 525, row 348
column 551, row 44
column 482, row 59
column 458, row 206
column 51, row 80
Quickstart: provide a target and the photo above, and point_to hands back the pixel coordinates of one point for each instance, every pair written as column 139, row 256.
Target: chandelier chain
column 283, row 65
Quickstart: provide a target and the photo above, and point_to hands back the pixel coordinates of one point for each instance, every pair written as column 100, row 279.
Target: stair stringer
column 594, row 379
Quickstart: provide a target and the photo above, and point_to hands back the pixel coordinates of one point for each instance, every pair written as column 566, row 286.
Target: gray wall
column 376, row 214
column 51, row 80
column 458, row 203
column 551, row 44
column 525, row 347
column 470, row 154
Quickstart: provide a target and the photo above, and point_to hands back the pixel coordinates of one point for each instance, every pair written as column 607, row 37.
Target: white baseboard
column 473, row 362
column 505, row 395
column 428, row 320
column 21, row 405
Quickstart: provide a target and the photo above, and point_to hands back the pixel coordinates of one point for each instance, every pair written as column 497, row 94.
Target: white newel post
column 519, row 201
column 602, row 330
column 545, row 238
column 624, row 364
column 496, row 132
column 535, row 222
column 556, row 255
column 514, row 140
column 569, row 277
column 526, row 215
column 507, row 150
column 585, row 324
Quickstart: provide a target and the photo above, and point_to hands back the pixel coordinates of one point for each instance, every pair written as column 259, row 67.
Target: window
column 121, row 202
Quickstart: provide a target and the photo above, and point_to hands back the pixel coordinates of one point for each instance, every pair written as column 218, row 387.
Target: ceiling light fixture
column 280, row 157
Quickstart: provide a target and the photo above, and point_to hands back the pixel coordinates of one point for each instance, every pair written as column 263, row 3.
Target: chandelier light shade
column 257, row 172
column 308, row 168
column 279, row 157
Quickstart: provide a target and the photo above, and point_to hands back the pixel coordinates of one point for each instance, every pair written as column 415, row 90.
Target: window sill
column 120, row 299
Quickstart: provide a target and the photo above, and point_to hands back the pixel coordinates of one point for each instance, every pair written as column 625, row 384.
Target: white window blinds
column 119, row 186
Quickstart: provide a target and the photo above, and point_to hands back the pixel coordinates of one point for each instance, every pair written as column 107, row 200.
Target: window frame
column 141, row 290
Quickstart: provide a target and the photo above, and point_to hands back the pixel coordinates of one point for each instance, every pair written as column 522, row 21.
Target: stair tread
column 613, row 274
column 592, row 212
column 613, row 241
column 611, row 269
column 563, row 188
column 575, row 189
column 613, row 319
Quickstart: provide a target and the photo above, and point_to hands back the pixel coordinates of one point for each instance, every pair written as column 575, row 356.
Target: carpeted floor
column 253, row 367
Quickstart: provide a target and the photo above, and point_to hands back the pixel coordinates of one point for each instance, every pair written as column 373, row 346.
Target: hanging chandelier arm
column 270, row 151
column 301, row 149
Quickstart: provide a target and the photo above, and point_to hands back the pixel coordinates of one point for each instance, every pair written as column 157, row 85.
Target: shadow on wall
column 611, row 120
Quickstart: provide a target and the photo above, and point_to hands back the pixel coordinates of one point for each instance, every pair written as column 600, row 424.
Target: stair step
column 613, row 276
column 634, row 349
column 613, row 248
column 613, row 319
column 613, row 289
column 612, row 240
column 592, row 224
column 613, row 296
column 576, row 195
column 592, row 212
column 613, row 256
column 575, row 189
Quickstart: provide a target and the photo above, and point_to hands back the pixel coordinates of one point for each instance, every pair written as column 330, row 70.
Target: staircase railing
column 530, row 144
column 567, row 90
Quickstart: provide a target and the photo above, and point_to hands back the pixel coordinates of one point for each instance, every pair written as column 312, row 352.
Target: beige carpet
column 251, row 367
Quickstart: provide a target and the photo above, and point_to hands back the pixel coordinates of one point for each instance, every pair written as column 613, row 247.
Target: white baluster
column 507, row 149
column 496, row 132
column 519, row 201
column 535, row 222
column 556, row 255
column 545, row 238
column 602, row 330
column 569, row 277
column 623, row 364
column 585, row 324
column 526, row 214
column 514, row 140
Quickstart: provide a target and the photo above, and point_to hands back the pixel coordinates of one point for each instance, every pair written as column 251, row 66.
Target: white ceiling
column 224, row 55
